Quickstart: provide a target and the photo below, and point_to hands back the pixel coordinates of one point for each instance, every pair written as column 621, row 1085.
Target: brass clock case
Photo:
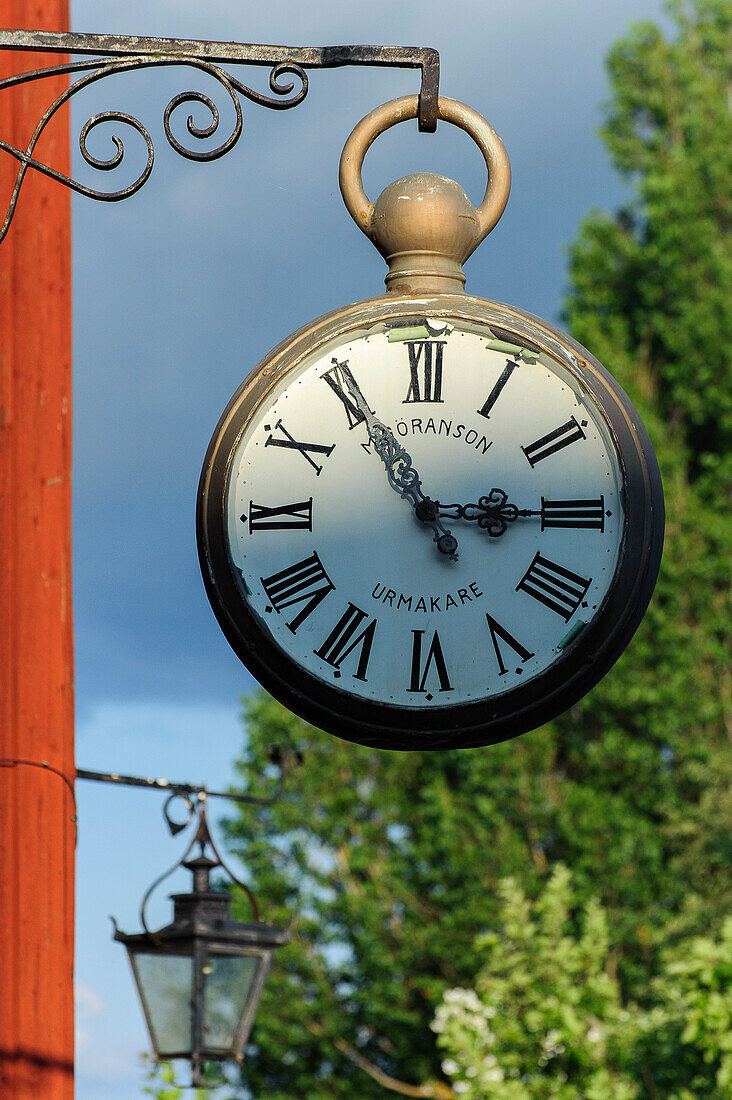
column 581, row 664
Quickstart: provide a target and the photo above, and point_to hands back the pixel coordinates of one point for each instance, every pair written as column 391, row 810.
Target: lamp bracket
column 193, row 794
column 124, row 53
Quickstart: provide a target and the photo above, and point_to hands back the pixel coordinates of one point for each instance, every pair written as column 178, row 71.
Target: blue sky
column 179, row 291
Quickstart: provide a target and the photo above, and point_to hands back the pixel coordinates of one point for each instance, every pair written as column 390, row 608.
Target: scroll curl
column 284, row 68
column 202, row 132
column 116, row 159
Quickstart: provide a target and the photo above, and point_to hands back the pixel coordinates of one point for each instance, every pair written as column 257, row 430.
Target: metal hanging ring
column 178, row 826
column 459, row 114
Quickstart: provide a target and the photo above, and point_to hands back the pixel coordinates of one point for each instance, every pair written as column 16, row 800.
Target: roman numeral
column 495, row 393
column 425, row 370
column 335, row 379
column 293, row 444
column 577, row 514
column 498, row 631
column 421, row 671
column 557, row 588
column 288, row 517
column 555, row 441
column 305, row 582
column 344, row 638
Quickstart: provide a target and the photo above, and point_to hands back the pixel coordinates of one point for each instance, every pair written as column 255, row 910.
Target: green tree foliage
column 652, row 285
column 684, row 1044
column 546, row 1021
column 162, row 1084
column 389, row 863
column 651, row 294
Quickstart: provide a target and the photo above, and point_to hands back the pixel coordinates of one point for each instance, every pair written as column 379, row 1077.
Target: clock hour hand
column 492, row 513
column 401, row 474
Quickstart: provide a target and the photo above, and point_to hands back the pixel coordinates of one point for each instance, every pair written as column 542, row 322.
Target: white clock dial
column 335, row 551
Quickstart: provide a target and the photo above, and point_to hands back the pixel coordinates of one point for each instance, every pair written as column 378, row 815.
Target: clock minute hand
column 401, row 474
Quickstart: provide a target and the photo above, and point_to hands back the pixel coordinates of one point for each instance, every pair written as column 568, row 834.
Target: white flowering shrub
column 545, row 1019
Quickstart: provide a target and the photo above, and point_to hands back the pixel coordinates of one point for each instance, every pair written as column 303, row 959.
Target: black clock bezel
column 458, row 725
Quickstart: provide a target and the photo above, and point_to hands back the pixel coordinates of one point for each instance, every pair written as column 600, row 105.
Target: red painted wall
column 37, row 830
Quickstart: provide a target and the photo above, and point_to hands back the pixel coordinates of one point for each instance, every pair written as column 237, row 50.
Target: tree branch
column 650, row 1083
column 435, row 1090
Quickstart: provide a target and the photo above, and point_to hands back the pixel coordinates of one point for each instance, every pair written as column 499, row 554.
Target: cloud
column 102, row 1061
column 89, row 1004
column 110, row 1065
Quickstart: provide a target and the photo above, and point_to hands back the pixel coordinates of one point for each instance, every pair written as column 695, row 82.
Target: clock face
column 423, row 517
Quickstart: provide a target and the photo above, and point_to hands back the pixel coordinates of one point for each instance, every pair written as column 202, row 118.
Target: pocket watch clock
column 428, row 520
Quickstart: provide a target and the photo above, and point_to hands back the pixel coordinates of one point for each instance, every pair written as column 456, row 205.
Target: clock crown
column 425, row 226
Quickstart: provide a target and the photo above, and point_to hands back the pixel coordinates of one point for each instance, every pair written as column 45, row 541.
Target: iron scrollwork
column 125, row 54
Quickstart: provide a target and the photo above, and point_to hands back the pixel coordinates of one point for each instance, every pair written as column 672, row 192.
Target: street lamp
column 200, row 977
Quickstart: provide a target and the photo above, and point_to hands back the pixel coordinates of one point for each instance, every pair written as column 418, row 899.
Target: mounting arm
column 123, row 53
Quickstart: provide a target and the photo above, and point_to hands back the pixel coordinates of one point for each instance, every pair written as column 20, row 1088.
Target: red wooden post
column 37, row 830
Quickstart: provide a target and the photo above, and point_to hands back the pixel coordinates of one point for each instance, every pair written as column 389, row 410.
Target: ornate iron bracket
column 122, row 53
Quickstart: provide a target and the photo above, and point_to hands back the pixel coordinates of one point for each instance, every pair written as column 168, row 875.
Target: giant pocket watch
column 427, row 520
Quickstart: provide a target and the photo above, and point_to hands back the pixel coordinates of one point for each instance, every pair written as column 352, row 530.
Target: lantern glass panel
column 166, row 986
column 229, row 981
